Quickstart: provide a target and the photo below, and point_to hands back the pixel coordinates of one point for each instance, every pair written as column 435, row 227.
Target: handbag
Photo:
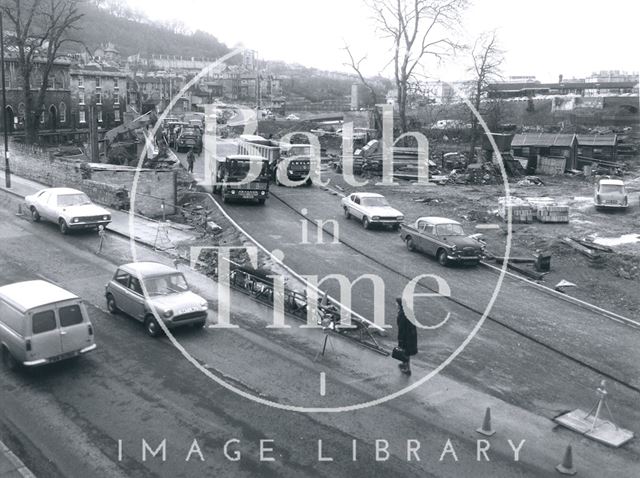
column 399, row 354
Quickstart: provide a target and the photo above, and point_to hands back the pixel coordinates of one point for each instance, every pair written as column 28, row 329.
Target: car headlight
column 204, row 304
column 105, row 218
column 167, row 313
column 262, row 193
column 233, row 191
column 75, row 219
column 454, row 248
column 375, row 218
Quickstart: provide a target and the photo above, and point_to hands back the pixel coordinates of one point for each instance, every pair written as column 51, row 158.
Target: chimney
column 560, row 78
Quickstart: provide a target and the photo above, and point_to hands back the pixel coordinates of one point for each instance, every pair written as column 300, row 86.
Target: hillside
column 130, row 37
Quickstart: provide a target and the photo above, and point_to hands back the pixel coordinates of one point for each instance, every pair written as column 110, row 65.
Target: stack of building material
column 521, row 211
column 552, row 213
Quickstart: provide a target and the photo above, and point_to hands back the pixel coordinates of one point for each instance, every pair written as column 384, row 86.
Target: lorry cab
column 231, row 174
column 42, row 323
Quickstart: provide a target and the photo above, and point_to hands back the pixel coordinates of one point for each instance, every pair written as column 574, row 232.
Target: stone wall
column 154, row 187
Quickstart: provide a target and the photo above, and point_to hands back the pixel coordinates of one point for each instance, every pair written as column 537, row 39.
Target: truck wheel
column 7, row 359
column 365, row 222
column 442, row 257
column 309, row 182
column 35, row 215
column 64, row 228
column 111, row 304
column 151, row 326
column 409, row 243
column 347, row 214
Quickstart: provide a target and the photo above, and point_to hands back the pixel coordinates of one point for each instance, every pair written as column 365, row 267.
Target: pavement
column 11, row 466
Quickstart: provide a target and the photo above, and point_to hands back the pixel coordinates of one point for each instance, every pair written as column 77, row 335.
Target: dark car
column 189, row 138
column 444, row 239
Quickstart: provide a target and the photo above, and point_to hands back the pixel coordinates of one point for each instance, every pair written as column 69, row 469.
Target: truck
column 298, row 164
column 443, row 239
column 231, row 170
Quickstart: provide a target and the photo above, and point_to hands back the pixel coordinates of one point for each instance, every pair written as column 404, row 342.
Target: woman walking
column 407, row 338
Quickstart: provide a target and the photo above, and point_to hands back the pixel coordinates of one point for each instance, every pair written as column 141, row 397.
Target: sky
column 543, row 38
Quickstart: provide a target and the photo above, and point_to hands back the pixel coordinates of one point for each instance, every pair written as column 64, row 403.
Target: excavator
column 124, row 144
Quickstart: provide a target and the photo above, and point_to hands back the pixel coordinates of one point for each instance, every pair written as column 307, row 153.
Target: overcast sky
column 542, row 37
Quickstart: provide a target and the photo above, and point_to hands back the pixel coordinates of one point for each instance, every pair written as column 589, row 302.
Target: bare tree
column 487, row 58
column 39, row 29
column 419, row 29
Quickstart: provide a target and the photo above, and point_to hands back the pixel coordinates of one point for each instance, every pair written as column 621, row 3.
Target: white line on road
column 323, row 384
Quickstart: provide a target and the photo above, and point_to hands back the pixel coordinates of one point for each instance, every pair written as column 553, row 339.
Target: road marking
column 323, row 384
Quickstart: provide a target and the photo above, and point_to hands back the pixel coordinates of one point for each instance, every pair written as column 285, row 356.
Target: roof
column 613, row 182
column 245, row 157
column 597, row 139
column 147, row 269
column 62, row 190
column 437, row 220
column 28, row 295
column 369, row 195
column 543, row 139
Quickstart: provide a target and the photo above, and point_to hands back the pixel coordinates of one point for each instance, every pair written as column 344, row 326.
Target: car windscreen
column 374, row 202
column 77, row 199
column 611, row 188
column 166, row 284
column 449, row 230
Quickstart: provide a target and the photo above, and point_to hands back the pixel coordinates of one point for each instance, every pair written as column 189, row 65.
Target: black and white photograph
column 337, row 239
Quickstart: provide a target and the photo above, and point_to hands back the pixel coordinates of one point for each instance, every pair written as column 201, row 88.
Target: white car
column 293, row 117
column 68, row 208
column 610, row 193
column 371, row 208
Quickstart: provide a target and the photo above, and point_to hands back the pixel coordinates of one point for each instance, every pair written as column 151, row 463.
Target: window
column 82, row 117
column 81, row 81
column 42, row 118
column 43, row 321
column 135, row 286
column 99, row 116
column 63, row 112
column 116, row 115
column 116, row 100
column 70, row 315
column 51, row 82
column 81, row 98
column 97, row 82
column 98, row 98
column 115, row 84
column 122, row 278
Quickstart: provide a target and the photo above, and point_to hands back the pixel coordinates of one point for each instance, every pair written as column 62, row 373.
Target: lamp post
column 7, row 170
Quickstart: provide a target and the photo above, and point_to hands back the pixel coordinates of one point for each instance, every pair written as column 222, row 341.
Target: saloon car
column 189, row 138
column 442, row 238
column 68, row 208
column 371, row 209
column 610, row 193
column 147, row 291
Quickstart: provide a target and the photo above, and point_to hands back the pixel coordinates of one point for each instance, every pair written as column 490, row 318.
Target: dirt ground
column 612, row 282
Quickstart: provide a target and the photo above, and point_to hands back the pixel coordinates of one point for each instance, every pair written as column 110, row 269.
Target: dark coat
column 407, row 334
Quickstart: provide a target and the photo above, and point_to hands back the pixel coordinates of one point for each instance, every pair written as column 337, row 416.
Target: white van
column 42, row 323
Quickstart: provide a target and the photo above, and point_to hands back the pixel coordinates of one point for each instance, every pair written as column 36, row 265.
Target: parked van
column 42, row 323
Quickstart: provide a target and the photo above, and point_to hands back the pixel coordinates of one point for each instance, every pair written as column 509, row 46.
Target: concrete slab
column 604, row 431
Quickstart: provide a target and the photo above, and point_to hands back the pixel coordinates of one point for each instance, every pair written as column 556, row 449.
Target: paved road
column 66, row 419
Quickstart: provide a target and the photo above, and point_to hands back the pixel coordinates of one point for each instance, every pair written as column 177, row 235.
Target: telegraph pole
column 7, row 170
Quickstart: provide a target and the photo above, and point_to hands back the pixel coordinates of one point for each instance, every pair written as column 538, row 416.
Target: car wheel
column 365, row 222
column 64, row 228
column 201, row 324
column 409, row 243
column 442, row 257
column 111, row 304
column 7, row 360
column 347, row 214
column 151, row 326
column 261, row 201
column 35, row 215
column 309, row 182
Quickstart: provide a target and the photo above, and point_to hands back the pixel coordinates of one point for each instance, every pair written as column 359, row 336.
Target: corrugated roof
column 597, row 139
column 543, row 139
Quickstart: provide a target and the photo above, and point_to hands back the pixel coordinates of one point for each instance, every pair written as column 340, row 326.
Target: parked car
column 442, row 238
column 41, row 323
column 610, row 193
column 371, row 208
column 141, row 288
column 69, row 208
column 293, row 117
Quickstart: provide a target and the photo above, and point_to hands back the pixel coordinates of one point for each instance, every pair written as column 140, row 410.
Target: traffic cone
column 486, row 424
column 566, row 467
